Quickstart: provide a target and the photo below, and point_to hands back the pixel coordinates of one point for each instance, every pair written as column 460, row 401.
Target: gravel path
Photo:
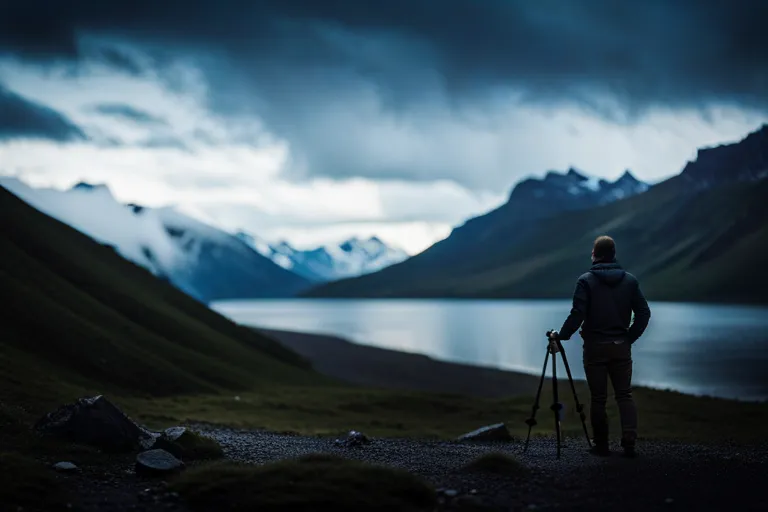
column 667, row 476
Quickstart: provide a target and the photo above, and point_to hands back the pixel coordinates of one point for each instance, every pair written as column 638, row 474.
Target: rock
column 97, row 422
column 497, row 432
column 157, row 462
column 354, row 438
column 65, row 467
column 173, row 434
column 186, row 444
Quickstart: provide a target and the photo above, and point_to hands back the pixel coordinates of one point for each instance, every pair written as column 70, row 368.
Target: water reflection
column 694, row 348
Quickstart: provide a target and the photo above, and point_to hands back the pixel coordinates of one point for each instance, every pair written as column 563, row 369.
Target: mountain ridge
column 674, row 224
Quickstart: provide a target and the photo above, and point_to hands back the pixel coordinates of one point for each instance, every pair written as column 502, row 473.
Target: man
column 604, row 301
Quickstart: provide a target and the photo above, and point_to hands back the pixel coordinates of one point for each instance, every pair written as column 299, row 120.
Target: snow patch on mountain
column 349, row 258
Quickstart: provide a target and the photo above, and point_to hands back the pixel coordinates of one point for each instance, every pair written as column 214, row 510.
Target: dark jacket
column 604, row 300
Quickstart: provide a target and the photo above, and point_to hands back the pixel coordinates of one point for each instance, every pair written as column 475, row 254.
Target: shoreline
column 364, row 365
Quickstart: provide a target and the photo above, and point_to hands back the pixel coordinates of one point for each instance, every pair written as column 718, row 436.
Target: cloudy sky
column 314, row 120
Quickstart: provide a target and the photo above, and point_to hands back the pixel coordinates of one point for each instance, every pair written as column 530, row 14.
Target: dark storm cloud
column 686, row 51
column 325, row 74
column 22, row 118
column 123, row 111
column 120, row 60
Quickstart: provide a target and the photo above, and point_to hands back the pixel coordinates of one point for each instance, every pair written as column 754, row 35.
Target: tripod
column 553, row 348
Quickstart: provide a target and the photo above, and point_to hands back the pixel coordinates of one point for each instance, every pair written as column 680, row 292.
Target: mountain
column 692, row 237
column 744, row 161
column 349, row 258
column 530, row 201
column 79, row 318
column 201, row 260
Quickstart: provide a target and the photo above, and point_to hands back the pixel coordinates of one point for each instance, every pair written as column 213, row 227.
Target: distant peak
column 284, row 244
column 84, row 185
column 574, row 173
column 628, row 176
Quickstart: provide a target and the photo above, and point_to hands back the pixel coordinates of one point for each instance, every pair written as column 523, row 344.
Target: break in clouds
column 477, row 93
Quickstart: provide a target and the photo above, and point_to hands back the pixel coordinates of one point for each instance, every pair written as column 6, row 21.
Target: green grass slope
column 683, row 246
column 77, row 317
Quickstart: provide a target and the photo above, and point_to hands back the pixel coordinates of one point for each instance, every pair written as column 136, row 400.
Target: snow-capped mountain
column 200, row 259
column 349, row 258
column 573, row 189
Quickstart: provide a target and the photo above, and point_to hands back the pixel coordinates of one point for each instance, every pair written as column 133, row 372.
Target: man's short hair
column 604, row 248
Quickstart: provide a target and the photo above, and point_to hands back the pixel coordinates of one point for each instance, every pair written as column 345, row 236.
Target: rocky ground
column 666, row 476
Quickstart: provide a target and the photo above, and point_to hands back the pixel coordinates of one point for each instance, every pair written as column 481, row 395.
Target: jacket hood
column 609, row 273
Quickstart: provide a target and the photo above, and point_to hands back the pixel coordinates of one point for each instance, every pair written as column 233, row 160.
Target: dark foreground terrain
column 667, row 476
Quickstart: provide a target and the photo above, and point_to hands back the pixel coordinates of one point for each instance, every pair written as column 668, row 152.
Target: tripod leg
column 579, row 407
column 532, row 420
column 556, row 405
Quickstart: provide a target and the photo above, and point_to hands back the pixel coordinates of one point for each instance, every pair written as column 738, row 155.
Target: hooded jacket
column 603, row 303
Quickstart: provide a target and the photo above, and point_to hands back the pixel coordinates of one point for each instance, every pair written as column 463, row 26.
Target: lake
column 702, row 349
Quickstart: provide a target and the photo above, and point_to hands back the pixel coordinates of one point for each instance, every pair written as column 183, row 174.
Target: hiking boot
column 629, row 451
column 601, row 450
column 629, row 448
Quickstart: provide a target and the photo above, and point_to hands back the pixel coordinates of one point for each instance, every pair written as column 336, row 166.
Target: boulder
column 95, row 421
column 497, row 432
column 156, row 463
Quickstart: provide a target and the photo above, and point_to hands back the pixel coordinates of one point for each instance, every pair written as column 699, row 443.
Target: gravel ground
column 666, row 476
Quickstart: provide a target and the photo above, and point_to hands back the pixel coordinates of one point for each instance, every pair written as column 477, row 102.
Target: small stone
column 451, row 493
column 237, row 399
column 65, row 467
column 496, row 432
column 354, row 438
column 157, row 462
column 669, row 500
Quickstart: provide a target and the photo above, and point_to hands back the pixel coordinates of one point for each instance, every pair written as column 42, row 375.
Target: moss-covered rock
column 188, row 445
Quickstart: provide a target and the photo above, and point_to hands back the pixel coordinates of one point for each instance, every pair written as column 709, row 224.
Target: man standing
column 603, row 303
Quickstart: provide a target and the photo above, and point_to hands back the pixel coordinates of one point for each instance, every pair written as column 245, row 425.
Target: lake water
column 718, row 350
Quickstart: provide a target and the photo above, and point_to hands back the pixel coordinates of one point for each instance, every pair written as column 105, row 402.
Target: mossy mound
column 29, row 485
column 314, row 482
column 496, row 463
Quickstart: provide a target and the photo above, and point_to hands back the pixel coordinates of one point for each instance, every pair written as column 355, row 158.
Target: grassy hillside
column 77, row 317
column 683, row 246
